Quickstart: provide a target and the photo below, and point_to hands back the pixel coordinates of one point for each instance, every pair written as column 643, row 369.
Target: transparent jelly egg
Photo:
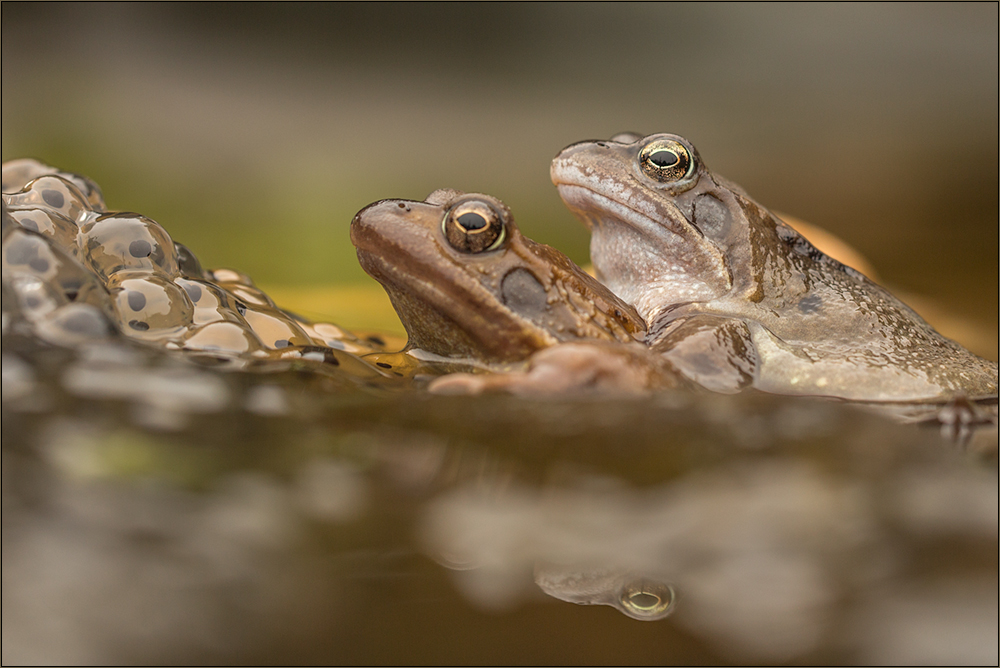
column 74, row 324
column 28, row 253
column 328, row 334
column 18, row 173
column 89, row 189
column 53, row 193
column 230, row 276
column 73, row 273
column 274, row 329
column 150, row 307
column 223, row 337
column 188, row 264
column 35, row 297
column 242, row 287
column 9, row 307
column 211, row 303
column 57, row 228
column 128, row 241
column 9, row 224
column 249, row 294
column 91, row 291
column 357, row 367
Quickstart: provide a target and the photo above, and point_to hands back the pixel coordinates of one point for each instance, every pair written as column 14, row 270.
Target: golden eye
column 647, row 599
column 666, row 160
column 474, row 226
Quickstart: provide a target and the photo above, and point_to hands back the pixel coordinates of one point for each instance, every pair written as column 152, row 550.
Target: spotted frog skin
column 737, row 298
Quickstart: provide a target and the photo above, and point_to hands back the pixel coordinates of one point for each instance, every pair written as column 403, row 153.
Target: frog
column 736, row 297
column 471, row 290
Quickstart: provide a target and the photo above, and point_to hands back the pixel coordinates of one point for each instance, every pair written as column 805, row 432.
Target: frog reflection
column 635, row 595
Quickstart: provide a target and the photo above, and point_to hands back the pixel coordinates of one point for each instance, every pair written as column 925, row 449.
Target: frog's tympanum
column 468, row 285
column 735, row 297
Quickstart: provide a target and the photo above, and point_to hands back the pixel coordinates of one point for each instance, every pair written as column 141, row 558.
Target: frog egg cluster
column 78, row 272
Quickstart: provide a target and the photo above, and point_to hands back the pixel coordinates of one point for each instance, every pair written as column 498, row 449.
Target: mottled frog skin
column 466, row 283
column 737, row 298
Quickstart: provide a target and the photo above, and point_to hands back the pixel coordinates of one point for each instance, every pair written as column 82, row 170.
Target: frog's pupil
column 471, row 221
column 473, row 227
column 664, row 158
column 644, row 600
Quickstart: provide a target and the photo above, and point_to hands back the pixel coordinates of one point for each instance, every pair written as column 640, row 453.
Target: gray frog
column 736, row 298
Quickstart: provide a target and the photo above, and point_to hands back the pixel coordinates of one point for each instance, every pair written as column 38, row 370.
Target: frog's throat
column 595, row 208
column 457, row 303
column 668, row 256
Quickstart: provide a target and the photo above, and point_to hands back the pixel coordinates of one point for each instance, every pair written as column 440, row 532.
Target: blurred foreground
column 295, row 517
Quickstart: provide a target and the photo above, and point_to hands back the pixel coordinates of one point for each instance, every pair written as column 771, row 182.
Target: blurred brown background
column 254, row 132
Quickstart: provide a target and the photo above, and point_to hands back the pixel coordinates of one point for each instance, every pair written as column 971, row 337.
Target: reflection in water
column 764, row 554
column 748, row 546
column 274, row 523
column 638, row 596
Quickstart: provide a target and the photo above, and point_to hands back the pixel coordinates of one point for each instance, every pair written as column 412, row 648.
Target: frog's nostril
column 602, row 144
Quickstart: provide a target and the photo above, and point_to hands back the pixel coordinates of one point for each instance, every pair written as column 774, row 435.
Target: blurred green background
column 254, row 132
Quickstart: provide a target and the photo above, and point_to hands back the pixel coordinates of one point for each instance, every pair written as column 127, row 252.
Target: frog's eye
column 647, row 599
column 474, row 227
column 666, row 160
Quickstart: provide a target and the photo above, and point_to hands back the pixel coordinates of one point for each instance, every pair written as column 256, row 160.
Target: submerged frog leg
column 713, row 351
column 572, row 368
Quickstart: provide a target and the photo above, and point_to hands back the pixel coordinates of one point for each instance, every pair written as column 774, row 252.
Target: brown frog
column 737, row 298
column 469, row 287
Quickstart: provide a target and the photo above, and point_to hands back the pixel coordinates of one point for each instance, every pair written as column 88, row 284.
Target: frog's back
column 820, row 327
column 813, row 326
column 907, row 362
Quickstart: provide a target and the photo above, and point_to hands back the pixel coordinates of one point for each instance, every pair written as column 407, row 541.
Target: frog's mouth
column 597, row 183
column 600, row 210
column 451, row 320
column 398, row 272
column 442, row 315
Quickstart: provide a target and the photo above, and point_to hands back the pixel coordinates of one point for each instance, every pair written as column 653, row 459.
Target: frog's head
column 466, row 283
column 660, row 222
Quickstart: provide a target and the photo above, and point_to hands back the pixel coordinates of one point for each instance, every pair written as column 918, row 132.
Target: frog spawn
column 78, row 272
